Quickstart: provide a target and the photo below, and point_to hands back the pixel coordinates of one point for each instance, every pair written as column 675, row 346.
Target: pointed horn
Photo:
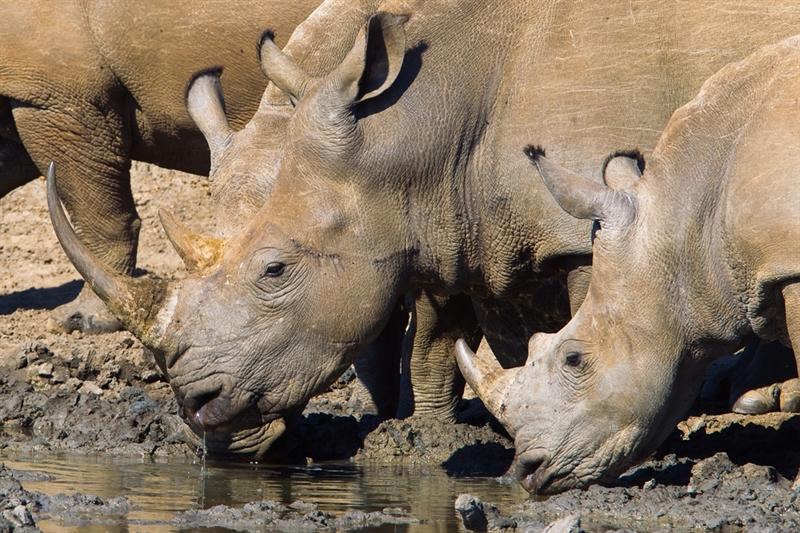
column 581, row 197
column 135, row 302
column 282, row 70
column 488, row 379
column 206, row 105
column 197, row 251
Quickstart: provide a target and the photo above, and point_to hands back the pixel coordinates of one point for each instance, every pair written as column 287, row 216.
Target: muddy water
column 159, row 489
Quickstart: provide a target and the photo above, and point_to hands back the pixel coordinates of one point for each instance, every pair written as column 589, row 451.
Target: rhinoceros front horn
column 134, row 301
column 490, row 381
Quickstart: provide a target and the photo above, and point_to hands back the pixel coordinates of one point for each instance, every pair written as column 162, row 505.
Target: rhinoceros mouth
column 251, row 442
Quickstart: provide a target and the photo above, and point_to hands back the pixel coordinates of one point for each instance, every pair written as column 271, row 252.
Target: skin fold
column 402, row 172
column 694, row 257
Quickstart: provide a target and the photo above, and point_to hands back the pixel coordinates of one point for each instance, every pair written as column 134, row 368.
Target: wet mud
column 103, row 395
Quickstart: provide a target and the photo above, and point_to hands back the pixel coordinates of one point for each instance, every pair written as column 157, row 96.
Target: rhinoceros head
column 273, row 314
column 603, row 392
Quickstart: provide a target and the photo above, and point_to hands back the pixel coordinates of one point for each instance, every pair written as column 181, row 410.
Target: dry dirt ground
column 102, row 394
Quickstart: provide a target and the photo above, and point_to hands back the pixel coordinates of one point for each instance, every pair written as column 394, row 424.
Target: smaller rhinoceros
column 693, row 258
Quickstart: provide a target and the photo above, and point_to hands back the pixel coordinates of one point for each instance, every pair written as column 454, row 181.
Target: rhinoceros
column 95, row 84
column 401, row 170
column 692, row 258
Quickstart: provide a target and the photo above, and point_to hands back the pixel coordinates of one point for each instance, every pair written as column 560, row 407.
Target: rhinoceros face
column 602, row 393
column 274, row 314
column 268, row 318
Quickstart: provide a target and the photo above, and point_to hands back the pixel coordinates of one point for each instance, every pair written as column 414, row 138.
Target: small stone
column 568, row 524
column 19, row 516
column 303, row 507
column 45, row 370
column 72, row 384
column 91, row 388
column 472, row 514
column 150, row 376
column 60, row 375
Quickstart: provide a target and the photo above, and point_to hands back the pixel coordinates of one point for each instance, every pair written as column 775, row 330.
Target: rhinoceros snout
column 212, row 406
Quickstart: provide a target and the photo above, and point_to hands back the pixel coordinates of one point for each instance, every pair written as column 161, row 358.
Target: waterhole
column 158, row 489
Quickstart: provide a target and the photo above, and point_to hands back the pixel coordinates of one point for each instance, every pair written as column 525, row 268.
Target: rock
column 91, row 388
column 60, row 375
column 568, row 524
column 472, row 514
column 45, row 370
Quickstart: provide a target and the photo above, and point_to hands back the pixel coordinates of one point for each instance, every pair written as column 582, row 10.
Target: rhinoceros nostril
column 527, row 470
column 194, row 404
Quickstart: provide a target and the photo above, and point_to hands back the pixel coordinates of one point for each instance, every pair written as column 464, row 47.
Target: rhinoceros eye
column 573, row 359
column 274, row 270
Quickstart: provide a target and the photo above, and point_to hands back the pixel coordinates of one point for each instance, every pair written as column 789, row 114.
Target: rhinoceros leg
column 378, row 368
column 91, row 148
column 754, row 386
column 790, row 390
column 432, row 384
column 16, row 167
column 784, row 395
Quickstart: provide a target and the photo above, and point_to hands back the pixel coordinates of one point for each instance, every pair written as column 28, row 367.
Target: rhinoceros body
column 692, row 259
column 402, row 170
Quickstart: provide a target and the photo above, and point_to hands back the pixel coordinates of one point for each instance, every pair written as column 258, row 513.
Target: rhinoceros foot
column 790, row 396
column 87, row 313
column 758, row 401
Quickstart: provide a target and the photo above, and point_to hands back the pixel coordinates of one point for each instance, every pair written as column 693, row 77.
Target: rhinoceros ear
column 281, row 69
column 197, row 251
column 375, row 60
column 581, row 197
column 622, row 169
column 206, row 106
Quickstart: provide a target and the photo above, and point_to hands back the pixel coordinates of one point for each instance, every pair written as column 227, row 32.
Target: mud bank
column 690, row 485
column 103, row 395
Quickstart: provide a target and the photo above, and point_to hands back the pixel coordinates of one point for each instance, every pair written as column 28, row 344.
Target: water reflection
column 157, row 489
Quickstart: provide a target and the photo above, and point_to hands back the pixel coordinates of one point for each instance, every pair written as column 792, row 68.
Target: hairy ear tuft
column 534, row 152
column 267, row 35
column 633, row 153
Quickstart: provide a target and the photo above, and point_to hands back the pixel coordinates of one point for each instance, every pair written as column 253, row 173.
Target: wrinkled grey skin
column 93, row 85
column 692, row 259
column 402, row 170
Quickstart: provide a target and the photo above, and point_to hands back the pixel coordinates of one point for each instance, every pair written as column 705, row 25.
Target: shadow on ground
column 40, row 298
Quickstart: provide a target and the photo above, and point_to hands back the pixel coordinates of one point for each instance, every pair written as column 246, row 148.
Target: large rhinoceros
column 692, row 258
column 93, row 84
column 402, row 169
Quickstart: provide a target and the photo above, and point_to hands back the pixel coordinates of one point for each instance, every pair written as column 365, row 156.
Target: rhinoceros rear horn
column 206, row 106
column 490, row 381
column 581, row 197
column 282, row 70
column 197, row 251
column 135, row 302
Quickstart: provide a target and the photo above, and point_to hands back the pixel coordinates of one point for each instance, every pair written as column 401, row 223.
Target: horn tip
column 465, row 358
